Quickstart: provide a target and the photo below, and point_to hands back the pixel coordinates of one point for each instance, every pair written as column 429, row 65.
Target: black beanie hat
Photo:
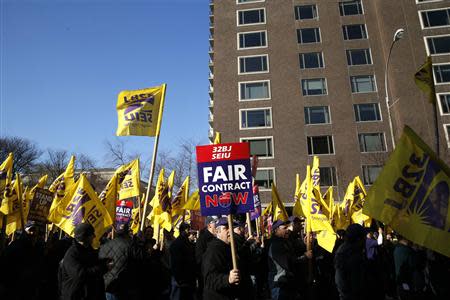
column 83, row 230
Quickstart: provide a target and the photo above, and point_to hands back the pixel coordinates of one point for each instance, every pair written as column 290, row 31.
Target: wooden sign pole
column 233, row 246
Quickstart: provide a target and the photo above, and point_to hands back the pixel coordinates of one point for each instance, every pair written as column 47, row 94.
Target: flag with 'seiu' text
column 140, row 111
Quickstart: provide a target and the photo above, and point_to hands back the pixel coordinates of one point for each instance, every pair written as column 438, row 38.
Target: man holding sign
column 225, row 188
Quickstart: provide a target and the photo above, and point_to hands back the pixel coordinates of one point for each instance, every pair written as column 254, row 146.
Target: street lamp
column 397, row 36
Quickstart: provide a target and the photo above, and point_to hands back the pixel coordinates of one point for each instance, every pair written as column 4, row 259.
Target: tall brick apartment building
column 298, row 78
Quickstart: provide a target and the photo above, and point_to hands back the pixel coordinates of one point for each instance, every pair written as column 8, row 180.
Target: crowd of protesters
column 365, row 264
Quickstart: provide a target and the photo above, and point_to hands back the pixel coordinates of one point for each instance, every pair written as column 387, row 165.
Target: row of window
column 265, row 177
column 301, row 12
column 317, row 86
column 318, row 145
column 262, row 118
column 254, row 118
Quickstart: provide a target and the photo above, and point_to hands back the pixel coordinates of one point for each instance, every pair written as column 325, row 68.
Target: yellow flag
column 280, row 212
column 217, row 138
column 305, row 193
column 18, row 208
column 140, row 111
column 193, row 203
column 326, row 239
column 328, row 203
column 124, row 184
column 6, row 173
column 180, row 199
column 84, row 206
column 359, row 197
column 411, row 194
column 135, row 220
column 60, row 187
column 424, row 79
column 297, row 210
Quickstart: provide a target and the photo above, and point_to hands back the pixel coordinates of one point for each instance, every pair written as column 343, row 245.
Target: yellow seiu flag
column 140, row 111
column 161, row 204
column 6, row 173
column 412, row 194
column 29, row 194
column 424, row 79
column 297, row 210
column 217, row 138
column 180, row 199
column 359, row 196
column 6, row 186
column 328, row 203
column 305, row 192
column 124, row 184
column 279, row 211
column 19, row 205
column 60, row 187
column 320, row 223
column 82, row 205
column 193, row 202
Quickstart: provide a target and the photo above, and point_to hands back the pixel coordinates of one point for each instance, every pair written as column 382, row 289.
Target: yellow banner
column 140, row 111
column 411, row 194
column 84, row 206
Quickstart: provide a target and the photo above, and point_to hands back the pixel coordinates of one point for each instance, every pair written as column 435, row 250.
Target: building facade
column 300, row 78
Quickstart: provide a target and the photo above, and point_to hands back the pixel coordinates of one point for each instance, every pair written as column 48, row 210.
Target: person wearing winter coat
column 81, row 273
column 221, row 281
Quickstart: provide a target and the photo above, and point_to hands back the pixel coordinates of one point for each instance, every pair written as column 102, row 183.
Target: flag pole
column 233, row 246
column 19, row 198
column 155, row 150
column 249, row 224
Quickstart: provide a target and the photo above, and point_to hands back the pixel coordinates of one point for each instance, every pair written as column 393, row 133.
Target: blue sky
column 64, row 62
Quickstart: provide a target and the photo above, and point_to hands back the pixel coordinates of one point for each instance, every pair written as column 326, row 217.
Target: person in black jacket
column 281, row 263
column 182, row 262
column 206, row 235
column 350, row 263
column 220, row 279
column 118, row 280
column 82, row 272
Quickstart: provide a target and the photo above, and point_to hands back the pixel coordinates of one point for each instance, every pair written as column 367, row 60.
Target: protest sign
column 124, row 210
column 40, row 206
column 225, row 179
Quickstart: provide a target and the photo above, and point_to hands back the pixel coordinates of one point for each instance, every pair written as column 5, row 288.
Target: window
column 435, row 18
column 252, row 39
column 357, row 57
column 371, row 142
column 370, row 174
column 251, row 16
column 306, row 12
column 316, row 86
column 438, row 44
column 317, row 115
column 367, row 112
column 308, row 35
column 255, row 90
column 348, row 8
column 248, row 1
column 363, row 84
column 311, row 60
column 328, row 176
column 444, row 100
column 421, row 1
column 261, row 147
column 256, row 118
column 441, row 73
column 253, row 64
column 354, row 32
column 447, row 133
column 320, row 145
column 264, row 178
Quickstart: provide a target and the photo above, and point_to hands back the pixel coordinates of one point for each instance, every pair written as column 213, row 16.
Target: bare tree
column 26, row 153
